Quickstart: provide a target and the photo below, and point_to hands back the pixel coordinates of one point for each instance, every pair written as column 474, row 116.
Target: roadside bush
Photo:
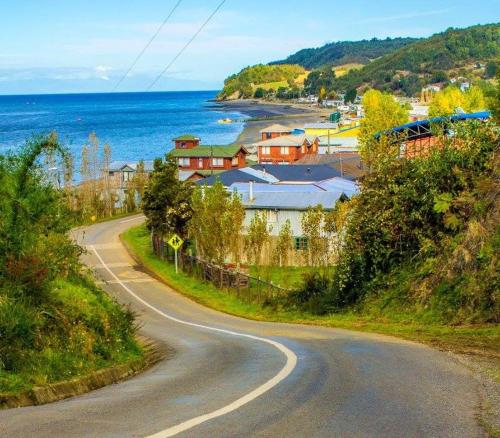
column 435, row 217
column 54, row 322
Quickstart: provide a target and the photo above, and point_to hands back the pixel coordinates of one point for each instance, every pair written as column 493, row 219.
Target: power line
column 136, row 60
column 185, row 46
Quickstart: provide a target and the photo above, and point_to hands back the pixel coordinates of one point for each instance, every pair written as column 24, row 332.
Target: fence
column 244, row 286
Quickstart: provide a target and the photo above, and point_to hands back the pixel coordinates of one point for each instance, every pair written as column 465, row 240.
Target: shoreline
column 263, row 114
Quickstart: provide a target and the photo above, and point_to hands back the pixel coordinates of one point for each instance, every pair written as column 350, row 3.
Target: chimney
column 250, row 194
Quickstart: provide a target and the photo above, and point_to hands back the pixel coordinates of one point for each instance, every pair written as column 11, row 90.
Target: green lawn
column 483, row 339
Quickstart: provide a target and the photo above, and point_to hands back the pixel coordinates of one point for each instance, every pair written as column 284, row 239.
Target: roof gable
column 208, row 152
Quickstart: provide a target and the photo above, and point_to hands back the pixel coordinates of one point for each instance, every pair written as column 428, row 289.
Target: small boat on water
column 223, row 121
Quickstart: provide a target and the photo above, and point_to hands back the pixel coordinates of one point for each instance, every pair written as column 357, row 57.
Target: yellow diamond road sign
column 175, row 242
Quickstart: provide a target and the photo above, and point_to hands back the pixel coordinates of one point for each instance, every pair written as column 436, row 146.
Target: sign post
column 176, row 242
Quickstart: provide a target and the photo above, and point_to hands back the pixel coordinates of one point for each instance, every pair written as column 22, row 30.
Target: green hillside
column 346, row 52
column 455, row 51
column 244, row 83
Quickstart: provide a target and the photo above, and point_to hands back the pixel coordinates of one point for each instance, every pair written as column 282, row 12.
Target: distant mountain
column 346, row 52
column 455, row 52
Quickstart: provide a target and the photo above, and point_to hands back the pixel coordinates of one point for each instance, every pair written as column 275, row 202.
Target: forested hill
column 425, row 61
column 346, row 52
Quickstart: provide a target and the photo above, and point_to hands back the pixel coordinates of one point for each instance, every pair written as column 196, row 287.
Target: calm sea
column 135, row 125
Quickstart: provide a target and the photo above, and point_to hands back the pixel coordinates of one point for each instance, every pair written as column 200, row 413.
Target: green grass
column 80, row 329
column 484, row 339
column 286, row 276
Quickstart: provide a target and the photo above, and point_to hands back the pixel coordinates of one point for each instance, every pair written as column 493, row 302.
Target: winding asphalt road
column 230, row 377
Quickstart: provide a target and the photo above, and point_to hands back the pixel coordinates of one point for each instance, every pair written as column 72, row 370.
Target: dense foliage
column 167, row 200
column 243, row 83
column 344, row 52
column 423, row 236
column 54, row 323
column 406, row 70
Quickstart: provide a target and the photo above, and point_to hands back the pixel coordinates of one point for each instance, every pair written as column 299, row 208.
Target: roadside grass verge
column 77, row 331
column 475, row 339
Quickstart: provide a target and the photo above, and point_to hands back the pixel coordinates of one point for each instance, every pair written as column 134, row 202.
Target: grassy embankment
column 484, row 339
column 77, row 331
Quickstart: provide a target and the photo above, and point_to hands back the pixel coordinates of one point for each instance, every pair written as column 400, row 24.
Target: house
column 286, row 149
column 190, row 155
column 282, row 203
column 121, row 172
column 319, row 129
column 274, row 131
column 186, row 142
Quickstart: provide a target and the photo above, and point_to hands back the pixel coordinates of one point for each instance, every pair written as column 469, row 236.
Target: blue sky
column 84, row 46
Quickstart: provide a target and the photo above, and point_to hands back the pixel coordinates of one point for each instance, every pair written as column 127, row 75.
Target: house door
column 200, row 163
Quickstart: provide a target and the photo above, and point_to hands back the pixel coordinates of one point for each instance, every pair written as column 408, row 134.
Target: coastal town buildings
column 286, row 149
column 319, row 129
column 274, row 131
column 190, row 155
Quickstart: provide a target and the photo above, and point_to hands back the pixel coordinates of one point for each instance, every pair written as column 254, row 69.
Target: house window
column 183, row 162
column 269, row 135
column 200, row 163
column 284, row 150
column 218, row 162
column 183, row 145
column 265, row 150
column 234, row 161
column 301, row 244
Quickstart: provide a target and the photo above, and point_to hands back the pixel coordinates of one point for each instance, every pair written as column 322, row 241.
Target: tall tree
column 167, row 201
column 382, row 112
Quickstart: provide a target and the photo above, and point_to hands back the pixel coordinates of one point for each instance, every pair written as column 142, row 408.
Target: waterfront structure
column 190, row 155
column 286, row 149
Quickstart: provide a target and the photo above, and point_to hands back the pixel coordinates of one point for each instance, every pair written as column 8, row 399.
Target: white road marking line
column 291, row 362
column 130, row 220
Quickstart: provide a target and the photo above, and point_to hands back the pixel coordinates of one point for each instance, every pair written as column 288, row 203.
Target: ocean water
column 135, row 125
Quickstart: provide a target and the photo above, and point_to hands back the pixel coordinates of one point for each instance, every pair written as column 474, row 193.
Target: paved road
column 343, row 383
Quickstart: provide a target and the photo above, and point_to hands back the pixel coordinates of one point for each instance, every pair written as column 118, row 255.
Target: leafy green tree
column 312, row 227
column 257, row 238
column 167, row 201
column 284, row 245
column 382, row 112
column 350, row 96
column 259, row 93
column 34, row 244
column 216, row 223
column 491, row 69
column 447, row 101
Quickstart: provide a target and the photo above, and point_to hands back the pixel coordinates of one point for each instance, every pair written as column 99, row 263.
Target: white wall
column 281, row 216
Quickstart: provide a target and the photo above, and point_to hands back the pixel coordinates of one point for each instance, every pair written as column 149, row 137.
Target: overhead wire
column 139, row 56
column 181, row 51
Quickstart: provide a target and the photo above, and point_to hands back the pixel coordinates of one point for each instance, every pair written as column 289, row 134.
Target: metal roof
column 290, row 200
column 207, row 152
column 322, row 125
column 230, row 177
column 298, row 172
column 422, row 128
column 287, row 140
column 116, row 166
column 274, row 188
column 276, row 128
column 186, row 137
column 339, row 184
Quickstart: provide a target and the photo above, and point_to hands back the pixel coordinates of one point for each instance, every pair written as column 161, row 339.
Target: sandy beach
column 267, row 113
